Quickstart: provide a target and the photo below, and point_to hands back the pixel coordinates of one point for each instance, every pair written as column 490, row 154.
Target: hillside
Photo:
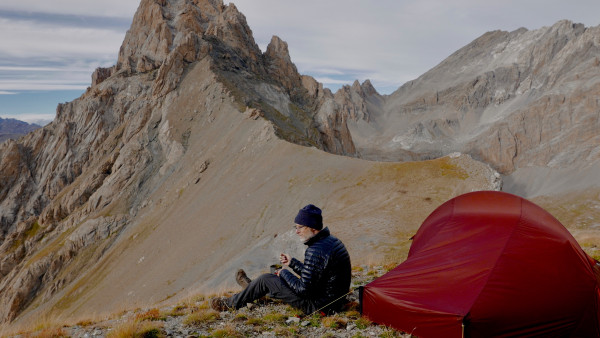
column 193, row 316
column 189, row 158
column 226, row 198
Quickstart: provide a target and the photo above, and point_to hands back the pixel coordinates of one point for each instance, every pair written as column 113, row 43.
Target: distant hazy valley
column 12, row 128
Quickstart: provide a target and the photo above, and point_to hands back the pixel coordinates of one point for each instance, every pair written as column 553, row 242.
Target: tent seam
column 497, row 259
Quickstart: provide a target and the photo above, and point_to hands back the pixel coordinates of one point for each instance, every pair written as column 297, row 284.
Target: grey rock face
column 518, row 99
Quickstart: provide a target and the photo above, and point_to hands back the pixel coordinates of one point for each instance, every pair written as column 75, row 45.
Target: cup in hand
column 275, row 267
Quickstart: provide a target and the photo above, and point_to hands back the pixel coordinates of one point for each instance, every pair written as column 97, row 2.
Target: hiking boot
column 242, row 279
column 219, row 304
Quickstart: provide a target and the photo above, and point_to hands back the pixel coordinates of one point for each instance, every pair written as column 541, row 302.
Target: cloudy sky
column 49, row 49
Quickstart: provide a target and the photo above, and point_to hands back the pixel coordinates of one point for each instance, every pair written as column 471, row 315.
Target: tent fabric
column 487, row 264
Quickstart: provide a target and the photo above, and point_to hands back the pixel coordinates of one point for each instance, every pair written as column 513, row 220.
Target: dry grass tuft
column 352, row 314
column 362, row 323
column 51, row 333
column 255, row 321
column 240, row 317
column 205, row 305
column 275, row 318
column 86, row 322
column 357, row 269
column 352, row 307
column 42, row 326
column 293, row 312
column 152, row 314
column 389, row 333
column 287, row 331
column 228, row 331
column 334, row 322
column 137, row 329
column 202, row 317
column 178, row 311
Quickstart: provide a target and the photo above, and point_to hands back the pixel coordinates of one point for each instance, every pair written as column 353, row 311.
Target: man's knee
column 266, row 279
column 265, row 276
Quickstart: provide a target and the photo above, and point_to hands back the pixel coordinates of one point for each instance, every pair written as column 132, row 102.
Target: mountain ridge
column 13, row 128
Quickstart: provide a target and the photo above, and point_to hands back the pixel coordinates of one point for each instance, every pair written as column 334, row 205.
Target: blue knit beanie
column 310, row 216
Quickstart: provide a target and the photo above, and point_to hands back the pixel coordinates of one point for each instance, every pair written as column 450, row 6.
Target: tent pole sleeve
column 360, row 299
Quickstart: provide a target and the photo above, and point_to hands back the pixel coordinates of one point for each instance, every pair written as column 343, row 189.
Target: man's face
column 304, row 232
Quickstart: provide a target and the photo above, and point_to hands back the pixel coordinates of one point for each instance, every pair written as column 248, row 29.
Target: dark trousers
column 275, row 287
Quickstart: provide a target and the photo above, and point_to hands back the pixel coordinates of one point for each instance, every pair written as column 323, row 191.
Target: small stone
column 350, row 327
column 292, row 320
column 305, row 323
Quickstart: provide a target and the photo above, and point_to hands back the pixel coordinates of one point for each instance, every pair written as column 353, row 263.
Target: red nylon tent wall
column 497, row 263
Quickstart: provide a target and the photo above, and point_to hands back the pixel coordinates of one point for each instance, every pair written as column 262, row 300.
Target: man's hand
column 285, row 259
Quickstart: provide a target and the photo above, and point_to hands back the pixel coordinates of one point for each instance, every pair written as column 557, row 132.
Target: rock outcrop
column 349, row 104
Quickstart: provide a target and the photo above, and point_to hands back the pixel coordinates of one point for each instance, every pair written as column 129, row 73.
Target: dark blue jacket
column 325, row 274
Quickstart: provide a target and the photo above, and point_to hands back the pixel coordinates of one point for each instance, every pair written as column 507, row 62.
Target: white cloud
column 328, row 80
column 8, row 87
column 48, row 57
column 112, row 8
column 39, row 119
column 24, row 39
column 31, row 69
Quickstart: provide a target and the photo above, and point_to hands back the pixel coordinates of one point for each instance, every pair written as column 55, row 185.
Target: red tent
column 488, row 264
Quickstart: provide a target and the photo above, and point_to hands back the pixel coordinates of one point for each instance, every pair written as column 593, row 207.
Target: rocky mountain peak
column 159, row 27
column 368, row 89
column 365, row 89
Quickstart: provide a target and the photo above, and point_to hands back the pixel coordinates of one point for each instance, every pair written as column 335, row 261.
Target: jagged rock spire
column 280, row 65
column 160, row 26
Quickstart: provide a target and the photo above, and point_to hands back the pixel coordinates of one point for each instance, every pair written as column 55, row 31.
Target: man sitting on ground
column 324, row 278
